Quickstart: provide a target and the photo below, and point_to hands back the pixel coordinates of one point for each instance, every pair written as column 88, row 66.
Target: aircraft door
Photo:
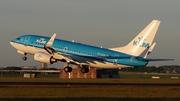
column 26, row 40
column 115, row 60
column 65, row 49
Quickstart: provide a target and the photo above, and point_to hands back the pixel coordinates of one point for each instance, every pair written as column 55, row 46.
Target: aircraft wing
column 75, row 59
column 61, row 56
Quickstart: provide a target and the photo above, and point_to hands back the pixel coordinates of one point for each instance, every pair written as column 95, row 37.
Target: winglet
column 50, row 42
column 48, row 46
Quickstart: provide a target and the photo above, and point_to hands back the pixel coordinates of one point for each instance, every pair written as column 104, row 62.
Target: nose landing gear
column 24, row 58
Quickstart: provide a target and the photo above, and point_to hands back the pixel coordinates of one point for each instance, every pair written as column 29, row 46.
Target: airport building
column 93, row 73
column 76, row 73
column 43, row 65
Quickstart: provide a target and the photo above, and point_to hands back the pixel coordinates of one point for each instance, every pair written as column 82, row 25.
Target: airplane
column 50, row 50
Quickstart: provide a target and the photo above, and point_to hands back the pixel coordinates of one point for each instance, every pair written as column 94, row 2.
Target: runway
column 89, row 84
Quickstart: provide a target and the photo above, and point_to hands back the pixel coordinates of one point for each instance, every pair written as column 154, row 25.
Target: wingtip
column 157, row 20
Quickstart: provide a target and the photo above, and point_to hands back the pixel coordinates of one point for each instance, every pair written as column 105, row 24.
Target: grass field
column 95, row 92
column 84, row 91
column 68, row 91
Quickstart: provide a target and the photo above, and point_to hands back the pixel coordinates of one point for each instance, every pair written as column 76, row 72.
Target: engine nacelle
column 44, row 58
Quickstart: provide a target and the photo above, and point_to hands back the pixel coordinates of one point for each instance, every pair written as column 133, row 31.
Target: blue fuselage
column 80, row 50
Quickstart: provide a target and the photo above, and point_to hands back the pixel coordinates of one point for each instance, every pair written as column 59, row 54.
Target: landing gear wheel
column 24, row 58
column 68, row 69
column 84, row 70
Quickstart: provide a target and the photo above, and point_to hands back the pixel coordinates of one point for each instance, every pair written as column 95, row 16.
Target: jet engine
column 44, row 58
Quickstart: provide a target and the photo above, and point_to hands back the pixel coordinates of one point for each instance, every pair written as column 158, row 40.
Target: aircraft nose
column 11, row 43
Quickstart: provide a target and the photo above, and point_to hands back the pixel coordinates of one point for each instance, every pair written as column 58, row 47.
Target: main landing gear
column 68, row 69
column 24, row 58
column 84, row 70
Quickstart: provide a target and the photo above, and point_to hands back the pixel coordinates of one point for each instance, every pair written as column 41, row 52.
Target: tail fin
column 142, row 41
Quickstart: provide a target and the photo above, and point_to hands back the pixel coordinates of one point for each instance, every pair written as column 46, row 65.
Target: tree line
column 149, row 69
column 19, row 68
column 154, row 69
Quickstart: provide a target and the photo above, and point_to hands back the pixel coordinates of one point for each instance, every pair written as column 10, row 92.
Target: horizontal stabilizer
column 146, row 59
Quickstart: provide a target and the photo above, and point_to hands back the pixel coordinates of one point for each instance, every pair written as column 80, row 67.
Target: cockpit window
column 18, row 38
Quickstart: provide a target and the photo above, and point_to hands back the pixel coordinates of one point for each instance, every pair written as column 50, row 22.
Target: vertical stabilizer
column 142, row 41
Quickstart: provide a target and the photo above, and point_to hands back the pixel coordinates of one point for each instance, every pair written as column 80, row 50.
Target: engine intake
column 44, row 58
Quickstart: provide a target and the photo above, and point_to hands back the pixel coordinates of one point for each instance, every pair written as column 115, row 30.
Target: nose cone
column 15, row 45
column 12, row 43
column 15, row 42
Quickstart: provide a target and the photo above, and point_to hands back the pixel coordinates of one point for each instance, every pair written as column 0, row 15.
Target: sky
column 107, row 23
